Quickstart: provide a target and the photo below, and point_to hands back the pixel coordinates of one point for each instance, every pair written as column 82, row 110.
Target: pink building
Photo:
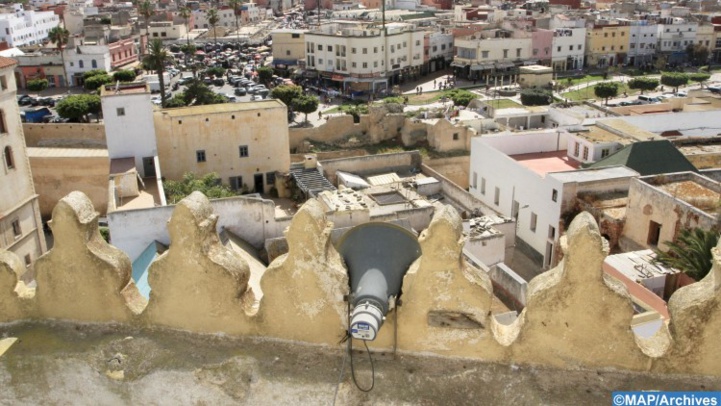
column 122, row 52
column 541, row 46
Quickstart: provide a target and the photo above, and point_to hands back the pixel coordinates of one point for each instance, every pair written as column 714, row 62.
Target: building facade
column 21, row 228
column 642, row 43
column 83, row 58
column 244, row 143
column 493, row 54
column 606, row 44
column 568, row 48
column 288, row 47
column 29, row 27
column 674, row 35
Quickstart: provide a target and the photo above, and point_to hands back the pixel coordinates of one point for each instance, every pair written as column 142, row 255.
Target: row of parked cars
column 26, row 100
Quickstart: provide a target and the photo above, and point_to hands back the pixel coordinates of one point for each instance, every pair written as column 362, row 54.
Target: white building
column 530, row 178
column 491, row 53
column 440, row 45
column 129, row 125
column 83, row 58
column 567, row 48
column 166, row 30
column 26, row 27
column 226, row 19
column 21, row 229
column 674, row 35
column 364, row 58
column 642, row 43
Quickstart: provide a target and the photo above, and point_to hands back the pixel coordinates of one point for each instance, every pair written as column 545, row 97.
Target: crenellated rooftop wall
column 575, row 316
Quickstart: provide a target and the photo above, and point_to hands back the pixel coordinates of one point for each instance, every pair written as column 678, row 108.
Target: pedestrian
column 434, row 83
column 320, row 115
column 420, row 89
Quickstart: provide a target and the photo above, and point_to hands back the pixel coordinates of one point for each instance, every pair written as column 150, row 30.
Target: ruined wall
column 370, row 164
column 444, row 136
column 454, row 169
column 333, row 130
column 67, row 135
column 56, row 176
column 575, row 316
column 325, row 155
column 705, row 161
column 459, row 195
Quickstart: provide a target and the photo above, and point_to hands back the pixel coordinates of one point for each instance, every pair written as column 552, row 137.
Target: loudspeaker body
column 377, row 256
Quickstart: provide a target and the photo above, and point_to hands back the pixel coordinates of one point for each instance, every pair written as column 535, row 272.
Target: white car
column 156, row 100
column 256, row 97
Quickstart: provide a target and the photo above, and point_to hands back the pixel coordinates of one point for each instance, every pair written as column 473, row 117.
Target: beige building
column 288, row 47
column 245, row 143
column 21, row 229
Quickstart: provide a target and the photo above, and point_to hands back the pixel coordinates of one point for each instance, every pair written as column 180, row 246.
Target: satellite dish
column 377, row 256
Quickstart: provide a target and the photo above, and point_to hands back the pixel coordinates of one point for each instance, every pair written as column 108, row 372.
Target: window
column 17, row 231
column 365, row 51
column 28, row 260
column 576, row 149
column 375, row 64
column 570, row 47
column 236, row 182
column 554, row 195
column 483, row 186
column 365, row 65
column 475, row 180
column 320, row 61
column 353, row 64
column 120, row 111
column 605, row 34
column 496, row 196
column 80, row 63
column 330, row 48
column 551, row 232
column 534, row 220
column 3, row 83
column 94, row 63
column 287, row 52
column 604, row 152
column 518, row 52
column 505, row 53
column 585, row 153
column 455, row 136
column 295, row 35
column 9, row 160
column 654, row 233
column 270, row 178
column 243, row 150
column 484, row 54
column 3, row 129
column 320, row 47
column 352, row 50
column 418, row 42
column 200, row 155
column 375, row 50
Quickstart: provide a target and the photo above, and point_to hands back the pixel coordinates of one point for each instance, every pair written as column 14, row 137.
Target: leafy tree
column 536, row 97
column 213, row 20
column 606, row 90
column 698, row 54
column 265, row 74
column 643, row 83
column 146, row 10
column 287, row 93
column 94, row 72
column 155, row 60
column 460, row 97
column 94, row 82
column 661, row 62
column 60, row 37
column 127, row 75
column 198, row 93
column 674, row 79
column 355, row 110
column 209, row 184
column 699, row 77
column 305, row 104
column 78, row 106
column 215, row 71
column 691, row 252
column 37, row 85
column 176, row 101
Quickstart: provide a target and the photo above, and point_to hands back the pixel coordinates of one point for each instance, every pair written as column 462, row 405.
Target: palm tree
column 235, row 5
column 155, row 59
column 60, row 37
column 213, row 21
column 185, row 15
column 691, row 252
column 146, row 10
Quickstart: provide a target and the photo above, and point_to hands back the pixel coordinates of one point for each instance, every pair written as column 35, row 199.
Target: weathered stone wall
column 454, row 169
column 575, row 316
column 68, row 135
column 370, row 164
column 333, row 130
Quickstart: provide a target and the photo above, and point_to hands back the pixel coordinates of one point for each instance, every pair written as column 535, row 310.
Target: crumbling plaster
column 575, row 317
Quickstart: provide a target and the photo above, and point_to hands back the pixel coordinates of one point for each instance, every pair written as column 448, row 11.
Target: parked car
column 218, row 81
column 240, row 91
column 46, row 101
column 231, row 98
column 23, row 100
column 185, row 80
column 256, row 97
column 714, row 89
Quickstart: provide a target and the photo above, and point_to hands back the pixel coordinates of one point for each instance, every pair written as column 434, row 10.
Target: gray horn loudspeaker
column 377, row 256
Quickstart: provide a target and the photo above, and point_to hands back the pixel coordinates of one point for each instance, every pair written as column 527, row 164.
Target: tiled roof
column 7, row 62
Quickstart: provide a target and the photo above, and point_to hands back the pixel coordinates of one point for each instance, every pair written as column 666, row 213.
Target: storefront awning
column 458, row 64
column 482, row 66
column 504, row 65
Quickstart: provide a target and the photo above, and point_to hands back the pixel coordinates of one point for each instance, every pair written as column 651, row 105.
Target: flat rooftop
column 39, row 152
column 546, row 162
column 596, row 134
column 63, row 363
column 222, row 108
column 694, row 194
column 148, row 197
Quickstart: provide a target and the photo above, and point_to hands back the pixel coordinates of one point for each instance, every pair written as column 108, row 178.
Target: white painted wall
column 250, row 218
column 26, row 27
column 569, row 42
column 490, row 250
column 642, row 40
column 131, row 134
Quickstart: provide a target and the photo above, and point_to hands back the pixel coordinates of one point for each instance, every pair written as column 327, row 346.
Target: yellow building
column 288, row 47
column 607, row 45
column 244, row 143
column 21, row 229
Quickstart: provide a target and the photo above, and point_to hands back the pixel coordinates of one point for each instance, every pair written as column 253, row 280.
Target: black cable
column 350, row 351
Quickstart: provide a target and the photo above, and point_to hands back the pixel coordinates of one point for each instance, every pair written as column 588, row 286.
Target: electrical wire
column 350, row 351
column 342, row 370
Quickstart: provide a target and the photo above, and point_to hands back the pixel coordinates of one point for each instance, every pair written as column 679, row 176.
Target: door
column 258, row 181
column 148, row 167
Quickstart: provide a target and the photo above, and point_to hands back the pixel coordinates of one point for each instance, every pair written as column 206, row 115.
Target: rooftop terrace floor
column 546, row 162
column 67, row 364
